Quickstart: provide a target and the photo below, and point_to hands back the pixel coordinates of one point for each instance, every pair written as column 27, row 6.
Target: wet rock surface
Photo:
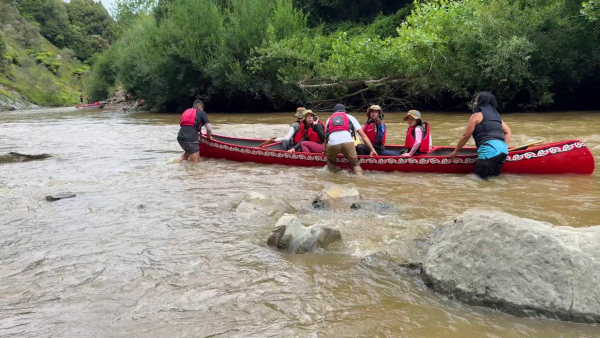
column 291, row 235
column 336, row 196
column 18, row 157
column 520, row 266
column 56, row 197
column 260, row 205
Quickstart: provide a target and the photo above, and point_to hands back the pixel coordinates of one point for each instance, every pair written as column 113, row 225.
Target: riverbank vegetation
column 256, row 54
column 46, row 47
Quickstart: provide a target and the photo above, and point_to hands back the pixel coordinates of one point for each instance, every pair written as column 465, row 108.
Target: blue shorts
column 491, row 148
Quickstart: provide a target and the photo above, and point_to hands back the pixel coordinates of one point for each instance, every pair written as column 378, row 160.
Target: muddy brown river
column 150, row 248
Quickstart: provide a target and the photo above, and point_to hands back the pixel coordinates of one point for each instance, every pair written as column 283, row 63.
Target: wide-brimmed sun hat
column 414, row 113
column 300, row 112
column 306, row 112
column 374, row 107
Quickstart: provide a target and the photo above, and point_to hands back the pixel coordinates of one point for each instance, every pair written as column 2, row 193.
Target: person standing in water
column 191, row 123
column 491, row 135
column 340, row 139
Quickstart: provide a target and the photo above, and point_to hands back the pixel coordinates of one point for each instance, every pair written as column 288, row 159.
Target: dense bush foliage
column 83, row 26
column 437, row 53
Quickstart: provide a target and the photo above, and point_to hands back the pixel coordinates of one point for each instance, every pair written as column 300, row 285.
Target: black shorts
column 490, row 166
column 189, row 147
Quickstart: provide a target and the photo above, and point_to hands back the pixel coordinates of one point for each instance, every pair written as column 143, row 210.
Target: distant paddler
column 491, row 135
column 191, row 123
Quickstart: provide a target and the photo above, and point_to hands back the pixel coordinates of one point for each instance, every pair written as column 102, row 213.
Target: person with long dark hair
column 491, row 135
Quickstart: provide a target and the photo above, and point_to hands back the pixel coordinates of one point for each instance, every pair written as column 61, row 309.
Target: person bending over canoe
column 192, row 121
column 376, row 133
column 418, row 136
column 491, row 135
column 287, row 142
column 311, row 136
column 340, row 139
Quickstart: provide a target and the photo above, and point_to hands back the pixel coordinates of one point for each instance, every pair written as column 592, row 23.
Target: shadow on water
column 151, row 248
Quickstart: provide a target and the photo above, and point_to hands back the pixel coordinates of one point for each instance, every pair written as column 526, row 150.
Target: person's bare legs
column 195, row 157
column 184, row 157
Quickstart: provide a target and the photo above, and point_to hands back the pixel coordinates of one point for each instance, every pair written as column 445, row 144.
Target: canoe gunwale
column 571, row 156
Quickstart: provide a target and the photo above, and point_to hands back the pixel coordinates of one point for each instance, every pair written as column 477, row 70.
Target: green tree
column 51, row 15
column 90, row 16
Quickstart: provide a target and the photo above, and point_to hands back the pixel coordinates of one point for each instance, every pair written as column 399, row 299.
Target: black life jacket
column 490, row 127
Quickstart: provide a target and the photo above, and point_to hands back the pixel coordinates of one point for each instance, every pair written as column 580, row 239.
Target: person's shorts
column 490, row 167
column 189, row 147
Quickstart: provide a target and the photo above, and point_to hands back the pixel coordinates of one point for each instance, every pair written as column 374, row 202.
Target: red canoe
column 90, row 105
column 565, row 157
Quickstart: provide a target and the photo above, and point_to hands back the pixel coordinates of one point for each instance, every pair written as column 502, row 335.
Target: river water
column 149, row 248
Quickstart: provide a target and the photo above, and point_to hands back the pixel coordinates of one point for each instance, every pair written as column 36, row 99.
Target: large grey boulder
column 291, row 235
column 336, row 196
column 260, row 205
column 520, row 266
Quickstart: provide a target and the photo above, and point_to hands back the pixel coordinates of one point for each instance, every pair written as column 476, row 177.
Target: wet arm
column 468, row 132
column 365, row 139
column 507, row 133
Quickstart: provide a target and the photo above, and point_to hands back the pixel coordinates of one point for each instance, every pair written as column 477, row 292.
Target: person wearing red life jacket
column 376, row 131
column 418, row 136
column 287, row 142
column 340, row 139
column 191, row 123
column 311, row 135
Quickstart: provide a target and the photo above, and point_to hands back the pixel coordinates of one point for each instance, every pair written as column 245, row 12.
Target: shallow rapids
column 150, row 248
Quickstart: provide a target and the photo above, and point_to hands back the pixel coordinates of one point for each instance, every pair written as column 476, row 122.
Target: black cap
column 339, row 108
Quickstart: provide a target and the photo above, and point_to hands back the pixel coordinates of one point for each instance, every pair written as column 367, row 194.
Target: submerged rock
column 373, row 206
column 262, row 205
column 291, row 235
column 17, row 157
column 336, row 196
column 519, row 266
column 52, row 198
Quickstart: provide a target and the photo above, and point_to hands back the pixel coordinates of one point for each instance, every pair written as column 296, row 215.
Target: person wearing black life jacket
column 340, row 131
column 311, row 136
column 376, row 133
column 418, row 136
column 192, row 121
column 491, row 135
column 80, row 98
column 287, row 142
column 89, row 100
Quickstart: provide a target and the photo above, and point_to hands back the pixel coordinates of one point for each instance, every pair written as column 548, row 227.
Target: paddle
column 267, row 142
column 525, row 146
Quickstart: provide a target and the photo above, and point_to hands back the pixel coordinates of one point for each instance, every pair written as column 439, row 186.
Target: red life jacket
column 305, row 132
column 339, row 122
column 370, row 128
column 410, row 139
column 188, row 118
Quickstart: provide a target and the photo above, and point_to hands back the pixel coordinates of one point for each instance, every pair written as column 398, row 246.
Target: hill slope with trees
column 46, row 48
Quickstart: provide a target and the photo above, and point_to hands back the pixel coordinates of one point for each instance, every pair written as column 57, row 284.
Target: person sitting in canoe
column 287, row 142
column 491, row 135
column 418, row 136
column 191, row 124
column 376, row 132
column 310, row 137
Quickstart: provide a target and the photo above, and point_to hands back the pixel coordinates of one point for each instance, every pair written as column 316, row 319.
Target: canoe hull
column 90, row 106
column 566, row 157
